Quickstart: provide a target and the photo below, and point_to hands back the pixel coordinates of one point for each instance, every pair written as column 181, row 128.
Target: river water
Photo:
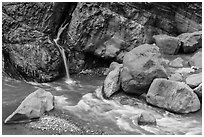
column 116, row 116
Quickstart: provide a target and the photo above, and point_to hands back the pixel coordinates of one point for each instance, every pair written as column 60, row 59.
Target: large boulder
column 167, row 44
column 112, row 81
column 173, row 96
column 191, row 41
column 140, row 67
column 194, row 80
column 196, row 59
column 33, row 106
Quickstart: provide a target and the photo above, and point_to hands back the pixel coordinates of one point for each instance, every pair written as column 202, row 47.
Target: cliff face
column 27, row 49
column 98, row 33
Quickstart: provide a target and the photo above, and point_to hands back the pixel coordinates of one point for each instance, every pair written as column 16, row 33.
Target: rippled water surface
column 116, row 117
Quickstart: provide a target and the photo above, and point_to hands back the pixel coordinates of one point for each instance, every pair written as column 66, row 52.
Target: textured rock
column 177, row 63
column 173, row 96
column 167, row 44
column 96, row 28
column 27, row 47
column 140, row 67
column 33, row 106
column 194, row 80
column 191, row 41
column 30, row 53
column 146, row 119
column 185, row 20
column 196, row 59
column 112, row 81
column 198, row 90
column 33, row 14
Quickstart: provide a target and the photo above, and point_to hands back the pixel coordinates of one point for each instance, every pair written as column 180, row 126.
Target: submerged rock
column 191, row 41
column 196, row 59
column 112, row 81
column 146, row 119
column 140, row 67
column 173, row 96
column 194, row 80
column 167, row 44
column 33, row 106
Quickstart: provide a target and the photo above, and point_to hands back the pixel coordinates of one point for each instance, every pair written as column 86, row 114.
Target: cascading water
column 61, row 29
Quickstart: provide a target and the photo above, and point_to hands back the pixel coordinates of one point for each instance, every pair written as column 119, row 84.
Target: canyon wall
column 98, row 33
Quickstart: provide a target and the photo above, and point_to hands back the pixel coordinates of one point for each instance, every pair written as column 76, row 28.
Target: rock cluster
column 172, row 84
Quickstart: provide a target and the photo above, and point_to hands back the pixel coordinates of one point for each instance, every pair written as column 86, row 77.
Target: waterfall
column 61, row 29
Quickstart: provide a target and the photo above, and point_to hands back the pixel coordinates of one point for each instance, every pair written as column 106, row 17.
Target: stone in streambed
column 194, row 80
column 140, row 67
column 167, row 44
column 146, row 119
column 33, row 106
column 196, row 59
column 198, row 90
column 112, row 81
column 191, row 41
column 176, row 77
column 177, row 63
column 173, row 96
column 112, row 66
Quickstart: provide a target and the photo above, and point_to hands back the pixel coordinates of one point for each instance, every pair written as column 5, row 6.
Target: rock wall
column 27, row 48
column 98, row 33
column 109, row 30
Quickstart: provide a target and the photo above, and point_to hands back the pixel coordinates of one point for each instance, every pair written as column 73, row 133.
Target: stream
column 115, row 116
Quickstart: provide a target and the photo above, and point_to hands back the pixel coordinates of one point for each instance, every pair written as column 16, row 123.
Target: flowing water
column 61, row 29
column 111, row 115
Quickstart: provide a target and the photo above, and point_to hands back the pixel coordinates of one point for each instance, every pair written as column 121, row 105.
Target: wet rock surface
column 173, row 96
